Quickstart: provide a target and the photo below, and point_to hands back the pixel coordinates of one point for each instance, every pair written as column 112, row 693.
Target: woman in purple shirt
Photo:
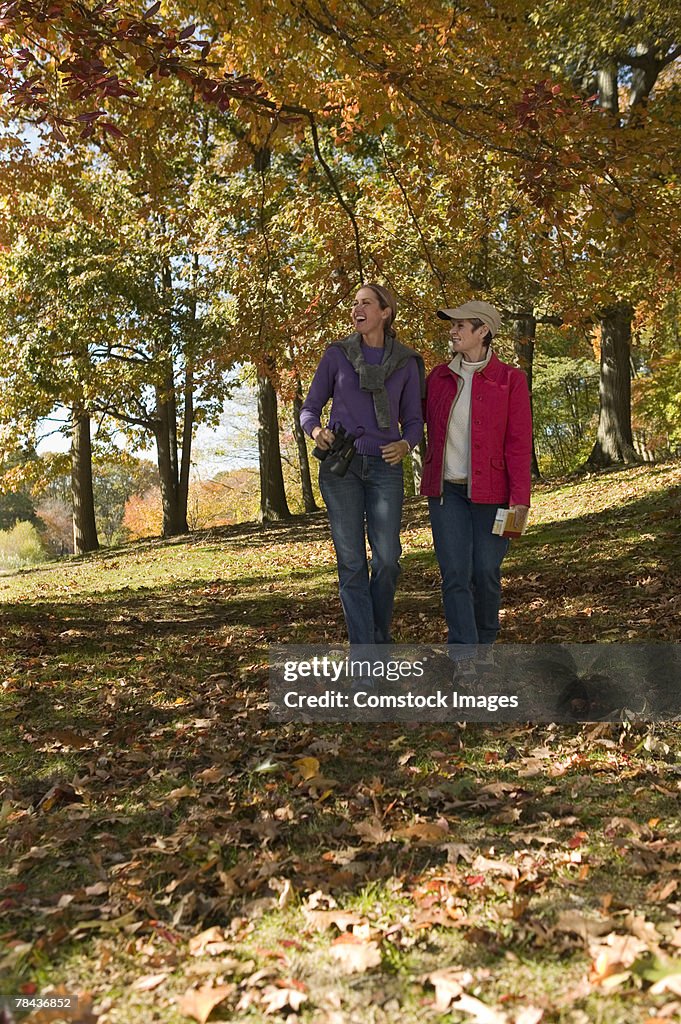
column 376, row 384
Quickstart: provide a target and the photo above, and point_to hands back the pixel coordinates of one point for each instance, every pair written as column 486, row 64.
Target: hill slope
column 146, row 796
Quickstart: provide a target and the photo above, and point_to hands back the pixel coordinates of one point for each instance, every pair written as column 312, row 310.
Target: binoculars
column 341, row 452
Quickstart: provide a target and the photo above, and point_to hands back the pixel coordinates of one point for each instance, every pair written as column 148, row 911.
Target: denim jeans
column 470, row 558
column 371, row 491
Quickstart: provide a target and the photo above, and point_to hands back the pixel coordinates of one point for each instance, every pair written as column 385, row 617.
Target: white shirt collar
column 456, row 362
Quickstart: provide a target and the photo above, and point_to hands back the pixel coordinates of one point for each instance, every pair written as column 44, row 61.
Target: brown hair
column 386, row 300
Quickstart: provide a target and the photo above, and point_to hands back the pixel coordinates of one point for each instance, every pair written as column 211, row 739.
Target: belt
column 457, row 480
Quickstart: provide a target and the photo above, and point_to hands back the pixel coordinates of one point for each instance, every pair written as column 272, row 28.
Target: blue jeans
column 370, row 491
column 470, row 558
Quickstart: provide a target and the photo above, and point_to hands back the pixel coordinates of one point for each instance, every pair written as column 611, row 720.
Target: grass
column 147, row 797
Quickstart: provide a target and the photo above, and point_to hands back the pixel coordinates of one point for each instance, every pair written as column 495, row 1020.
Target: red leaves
column 89, row 39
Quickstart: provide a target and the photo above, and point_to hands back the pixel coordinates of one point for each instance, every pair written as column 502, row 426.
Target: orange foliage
column 234, row 497
column 143, row 515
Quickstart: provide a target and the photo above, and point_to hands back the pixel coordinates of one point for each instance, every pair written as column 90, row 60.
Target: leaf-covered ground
column 167, row 853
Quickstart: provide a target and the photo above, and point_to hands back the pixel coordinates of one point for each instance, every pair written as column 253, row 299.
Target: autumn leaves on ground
column 168, row 854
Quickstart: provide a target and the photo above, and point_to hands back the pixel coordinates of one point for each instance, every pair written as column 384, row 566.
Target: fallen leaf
column 355, row 956
column 149, row 982
column 479, row 1011
column 210, row 941
column 496, row 867
column 423, row 832
column 528, row 1015
column 209, row 775
column 612, row 958
column 284, row 886
column 581, row 924
column 659, row 892
column 508, row 816
column 642, row 928
column 320, row 920
column 181, row 792
column 307, row 766
column 277, row 999
column 80, row 1013
column 69, row 738
column 672, row 984
column 663, row 972
column 200, row 1002
column 448, row 984
column 61, row 793
column 457, row 852
column 98, row 889
column 372, row 831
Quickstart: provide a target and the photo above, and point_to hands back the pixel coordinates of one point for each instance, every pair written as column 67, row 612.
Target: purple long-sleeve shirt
column 354, row 409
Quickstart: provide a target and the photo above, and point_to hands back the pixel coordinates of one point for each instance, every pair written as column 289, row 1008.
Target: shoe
column 362, row 685
column 464, row 673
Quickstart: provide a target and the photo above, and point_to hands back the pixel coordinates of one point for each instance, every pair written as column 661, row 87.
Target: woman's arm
column 321, row 390
column 410, row 417
column 411, row 407
column 518, row 441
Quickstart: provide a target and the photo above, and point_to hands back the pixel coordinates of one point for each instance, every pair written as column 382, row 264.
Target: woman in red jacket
column 479, row 456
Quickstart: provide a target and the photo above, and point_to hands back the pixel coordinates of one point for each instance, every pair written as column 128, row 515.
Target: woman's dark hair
column 386, row 300
column 487, row 340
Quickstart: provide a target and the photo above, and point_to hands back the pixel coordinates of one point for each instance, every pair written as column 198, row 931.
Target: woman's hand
column 323, row 437
column 520, row 514
column 394, row 452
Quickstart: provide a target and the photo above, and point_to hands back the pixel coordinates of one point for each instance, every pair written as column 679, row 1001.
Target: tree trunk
column 608, row 93
column 309, row 503
column 614, row 440
column 165, row 431
column 524, row 333
column 187, row 430
column 188, row 406
column 273, row 505
column 173, row 498
column 84, row 526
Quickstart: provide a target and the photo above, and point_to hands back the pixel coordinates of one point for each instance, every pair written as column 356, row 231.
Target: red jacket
column 501, row 433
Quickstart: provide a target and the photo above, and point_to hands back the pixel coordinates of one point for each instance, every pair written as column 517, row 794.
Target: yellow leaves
column 307, row 766
column 60, row 793
column 307, row 773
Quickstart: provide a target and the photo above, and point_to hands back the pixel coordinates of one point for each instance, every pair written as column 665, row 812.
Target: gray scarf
column 373, row 378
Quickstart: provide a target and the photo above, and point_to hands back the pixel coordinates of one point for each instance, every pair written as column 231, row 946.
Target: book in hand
column 505, row 524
